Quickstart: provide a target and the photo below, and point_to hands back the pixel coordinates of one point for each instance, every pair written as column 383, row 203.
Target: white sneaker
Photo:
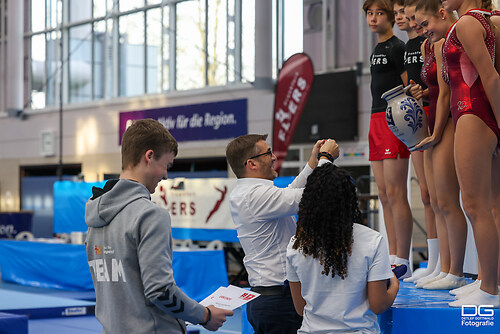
column 448, row 282
column 473, row 286
column 428, row 279
column 479, row 297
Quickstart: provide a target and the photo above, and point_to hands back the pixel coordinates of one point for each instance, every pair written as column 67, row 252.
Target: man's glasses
column 270, row 152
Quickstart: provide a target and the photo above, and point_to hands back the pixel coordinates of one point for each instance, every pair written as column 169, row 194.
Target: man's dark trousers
column 273, row 314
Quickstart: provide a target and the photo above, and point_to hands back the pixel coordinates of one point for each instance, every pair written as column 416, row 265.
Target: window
column 190, row 45
column 134, row 47
column 80, row 63
column 132, row 55
column 153, row 51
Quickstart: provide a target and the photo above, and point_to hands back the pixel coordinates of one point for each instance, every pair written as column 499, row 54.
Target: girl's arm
column 298, row 301
column 443, row 101
column 496, row 21
column 442, row 105
column 404, row 78
column 380, row 297
column 471, row 34
column 416, row 90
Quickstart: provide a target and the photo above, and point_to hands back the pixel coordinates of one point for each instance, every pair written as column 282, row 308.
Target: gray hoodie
column 129, row 251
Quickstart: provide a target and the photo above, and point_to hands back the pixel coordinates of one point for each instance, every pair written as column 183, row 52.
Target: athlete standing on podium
column 388, row 155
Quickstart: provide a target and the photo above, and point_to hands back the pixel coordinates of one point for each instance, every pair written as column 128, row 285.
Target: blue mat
column 74, row 325
column 13, row 324
column 37, row 306
column 417, row 311
column 82, row 295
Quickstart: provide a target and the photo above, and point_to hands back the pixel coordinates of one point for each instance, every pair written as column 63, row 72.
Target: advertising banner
column 13, row 223
column 206, row 121
column 294, row 84
column 200, row 207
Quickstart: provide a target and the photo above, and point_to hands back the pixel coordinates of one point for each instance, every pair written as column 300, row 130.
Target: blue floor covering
column 414, row 311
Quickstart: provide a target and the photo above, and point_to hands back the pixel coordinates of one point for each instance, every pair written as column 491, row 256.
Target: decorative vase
column 405, row 117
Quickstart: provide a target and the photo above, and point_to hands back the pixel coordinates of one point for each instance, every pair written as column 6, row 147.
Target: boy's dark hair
column 398, row 2
column 240, row 149
column 385, row 5
column 144, row 135
column 327, row 211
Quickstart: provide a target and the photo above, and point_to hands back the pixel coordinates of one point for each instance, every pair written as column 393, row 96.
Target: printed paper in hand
column 229, row 298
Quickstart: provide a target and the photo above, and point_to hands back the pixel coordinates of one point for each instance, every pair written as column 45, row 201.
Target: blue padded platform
column 73, row 325
column 13, row 323
column 37, row 306
column 417, row 311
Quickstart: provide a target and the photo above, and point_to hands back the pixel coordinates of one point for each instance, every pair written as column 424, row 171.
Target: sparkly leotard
column 429, row 77
column 467, row 92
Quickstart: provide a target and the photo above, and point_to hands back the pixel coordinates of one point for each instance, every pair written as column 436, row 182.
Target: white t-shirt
column 334, row 305
column 263, row 216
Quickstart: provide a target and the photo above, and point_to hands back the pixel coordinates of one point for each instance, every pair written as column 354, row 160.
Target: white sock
column 465, row 288
column 402, row 261
column 433, row 274
column 433, row 251
column 448, row 282
column 478, row 297
column 392, row 258
column 428, row 279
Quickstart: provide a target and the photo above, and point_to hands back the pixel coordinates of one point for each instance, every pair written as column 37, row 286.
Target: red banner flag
column 294, row 84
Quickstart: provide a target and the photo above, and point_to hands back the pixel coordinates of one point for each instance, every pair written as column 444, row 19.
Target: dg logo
column 474, row 310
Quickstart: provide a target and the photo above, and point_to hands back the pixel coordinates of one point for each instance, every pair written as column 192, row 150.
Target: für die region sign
column 206, row 121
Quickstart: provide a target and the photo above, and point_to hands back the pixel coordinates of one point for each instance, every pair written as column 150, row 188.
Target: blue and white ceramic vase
column 405, row 116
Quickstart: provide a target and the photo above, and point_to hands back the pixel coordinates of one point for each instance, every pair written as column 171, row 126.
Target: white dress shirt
column 335, row 305
column 263, row 215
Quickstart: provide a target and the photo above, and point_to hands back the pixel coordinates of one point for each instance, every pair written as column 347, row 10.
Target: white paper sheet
column 229, row 298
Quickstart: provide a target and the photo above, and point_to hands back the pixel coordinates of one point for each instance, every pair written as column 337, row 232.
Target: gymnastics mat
column 13, row 324
column 37, row 306
column 417, row 311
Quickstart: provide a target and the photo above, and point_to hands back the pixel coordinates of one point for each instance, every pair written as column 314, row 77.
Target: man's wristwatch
column 326, row 155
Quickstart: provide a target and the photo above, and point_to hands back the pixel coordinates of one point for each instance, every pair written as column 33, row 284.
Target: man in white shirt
column 264, row 218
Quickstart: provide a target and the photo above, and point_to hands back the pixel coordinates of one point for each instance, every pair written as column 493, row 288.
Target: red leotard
column 467, row 92
column 429, row 77
column 495, row 13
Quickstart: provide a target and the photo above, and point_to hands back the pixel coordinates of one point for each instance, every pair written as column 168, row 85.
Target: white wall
column 90, row 134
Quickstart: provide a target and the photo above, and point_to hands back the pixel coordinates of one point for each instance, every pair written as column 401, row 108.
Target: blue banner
column 64, row 266
column 12, row 223
column 69, row 205
column 206, row 121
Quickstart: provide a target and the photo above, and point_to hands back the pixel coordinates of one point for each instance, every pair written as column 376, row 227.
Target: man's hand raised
column 330, row 146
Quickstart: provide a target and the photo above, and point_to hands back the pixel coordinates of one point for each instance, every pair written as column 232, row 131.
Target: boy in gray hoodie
column 129, row 244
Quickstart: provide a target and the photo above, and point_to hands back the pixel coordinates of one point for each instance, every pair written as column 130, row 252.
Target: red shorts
column 383, row 144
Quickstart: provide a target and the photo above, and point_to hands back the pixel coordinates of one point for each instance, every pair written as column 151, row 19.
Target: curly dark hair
column 327, row 212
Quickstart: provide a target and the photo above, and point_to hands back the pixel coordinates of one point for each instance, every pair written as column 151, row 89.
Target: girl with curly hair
column 337, row 268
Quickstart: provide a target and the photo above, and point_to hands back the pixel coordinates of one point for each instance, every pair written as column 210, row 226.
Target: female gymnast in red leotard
column 452, row 231
column 468, row 54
